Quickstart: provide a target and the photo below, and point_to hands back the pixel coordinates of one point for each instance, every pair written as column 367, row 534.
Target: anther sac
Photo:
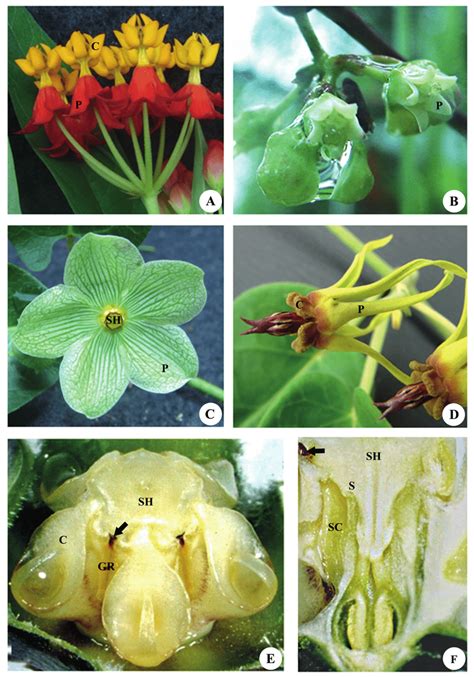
column 184, row 559
column 382, row 549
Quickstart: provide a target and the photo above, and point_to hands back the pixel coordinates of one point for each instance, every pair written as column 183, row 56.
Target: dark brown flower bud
column 277, row 324
column 408, row 397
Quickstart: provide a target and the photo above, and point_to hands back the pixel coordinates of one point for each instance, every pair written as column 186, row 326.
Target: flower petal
column 94, row 374
column 101, row 266
column 341, row 313
column 166, row 292
column 385, row 283
column 162, row 358
column 347, row 344
column 354, row 271
column 53, row 321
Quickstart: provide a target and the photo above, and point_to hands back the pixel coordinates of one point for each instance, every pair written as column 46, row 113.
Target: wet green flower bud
column 417, row 95
column 329, row 123
column 319, row 156
column 288, row 173
column 356, row 180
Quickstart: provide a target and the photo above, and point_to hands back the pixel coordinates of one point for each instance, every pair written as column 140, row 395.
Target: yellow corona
column 145, row 552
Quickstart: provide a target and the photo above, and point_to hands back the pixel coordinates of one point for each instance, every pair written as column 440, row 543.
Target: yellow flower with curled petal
column 197, row 53
column 82, row 51
column 41, row 62
column 113, row 64
column 138, row 35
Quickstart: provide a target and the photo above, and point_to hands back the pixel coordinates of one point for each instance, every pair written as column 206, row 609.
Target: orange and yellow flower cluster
column 70, row 92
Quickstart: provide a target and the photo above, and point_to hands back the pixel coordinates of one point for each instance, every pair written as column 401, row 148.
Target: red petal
column 48, row 102
column 145, row 86
column 85, row 91
column 79, row 126
column 112, row 104
column 200, row 102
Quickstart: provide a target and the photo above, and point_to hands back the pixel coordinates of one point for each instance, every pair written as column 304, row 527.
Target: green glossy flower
column 329, row 123
column 288, row 173
column 114, row 321
column 319, row 156
column 417, row 95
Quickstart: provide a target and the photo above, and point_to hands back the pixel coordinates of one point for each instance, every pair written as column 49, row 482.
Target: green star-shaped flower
column 114, row 321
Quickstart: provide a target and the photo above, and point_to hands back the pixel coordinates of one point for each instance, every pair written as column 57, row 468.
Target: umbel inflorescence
column 77, row 112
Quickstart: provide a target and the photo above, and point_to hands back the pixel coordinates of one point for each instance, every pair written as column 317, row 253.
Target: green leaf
column 275, row 387
column 368, row 416
column 27, row 377
column 86, row 192
column 199, row 185
column 101, row 266
column 171, row 292
column 53, row 321
column 34, row 244
column 94, row 374
column 162, row 358
column 20, row 478
column 22, row 289
column 14, row 206
column 54, row 643
column 25, row 383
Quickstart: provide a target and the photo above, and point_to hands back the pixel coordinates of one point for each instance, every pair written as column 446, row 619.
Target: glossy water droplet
column 329, row 173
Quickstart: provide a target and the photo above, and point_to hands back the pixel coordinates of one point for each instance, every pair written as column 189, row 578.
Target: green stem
column 129, row 173
column 137, row 150
column 176, row 155
column 147, row 148
column 150, row 202
column 102, row 170
column 206, row 387
column 161, row 151
column 435, row 319
column 370, row 367
column 320, row 57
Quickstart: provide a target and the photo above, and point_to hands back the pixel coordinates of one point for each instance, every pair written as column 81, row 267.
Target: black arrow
column 309, row 452
column 119, row 530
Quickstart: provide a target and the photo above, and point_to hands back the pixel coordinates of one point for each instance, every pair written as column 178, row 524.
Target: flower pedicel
column 77, row 113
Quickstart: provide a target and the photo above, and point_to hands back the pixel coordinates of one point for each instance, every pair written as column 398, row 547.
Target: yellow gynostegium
column 196, row 53
column 139, row 37
column 82, row 51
